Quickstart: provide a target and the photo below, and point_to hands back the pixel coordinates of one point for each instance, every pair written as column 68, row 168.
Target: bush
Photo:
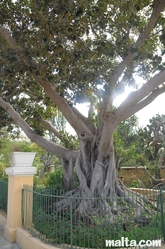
column 51, row 180
column 57, row 228
column 55, row 179
column 2, row 170
column 135, row 184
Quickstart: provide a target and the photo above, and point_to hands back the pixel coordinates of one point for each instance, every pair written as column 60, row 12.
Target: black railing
column 3, row 195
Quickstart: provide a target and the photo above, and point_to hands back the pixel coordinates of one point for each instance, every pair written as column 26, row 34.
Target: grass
column 59, row 228
column 61, row 231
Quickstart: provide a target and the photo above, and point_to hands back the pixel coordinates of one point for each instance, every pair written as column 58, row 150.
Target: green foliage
column 2, row 170
column 131, row 157
column 69, row 141
column 54, row 180
column 59, row 227
column 141, row 146
column 135, row 184
column 19, row 146
column 8, row 146
column 42, row 157
column 141, row 159
column 58, row 232
column 128, row 148
column 76, row 47
column 127, row 130
column 77, row 54
column 152, row 139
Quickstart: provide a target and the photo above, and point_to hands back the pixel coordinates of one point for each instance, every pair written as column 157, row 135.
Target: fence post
column 71, row 226
column 27, row 206
column 162, row 213
column 17, row 177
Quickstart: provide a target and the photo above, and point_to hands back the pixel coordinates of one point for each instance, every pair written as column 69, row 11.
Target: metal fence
column 3, row 195
column 55, row 220
column 161, row 207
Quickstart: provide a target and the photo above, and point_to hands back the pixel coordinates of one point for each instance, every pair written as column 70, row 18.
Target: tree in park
column 153, row 139
column 55, row 54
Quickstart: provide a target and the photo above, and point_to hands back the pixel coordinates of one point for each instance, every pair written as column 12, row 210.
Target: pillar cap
column 21, row 159
column 21, row 171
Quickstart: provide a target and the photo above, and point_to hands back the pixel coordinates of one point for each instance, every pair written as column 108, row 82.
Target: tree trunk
column 95, row 167
column 67, row 170
column 99, row 179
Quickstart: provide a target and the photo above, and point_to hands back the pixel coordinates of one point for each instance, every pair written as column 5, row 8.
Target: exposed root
column 69, row 200
column 103, row 196
column 83, row 209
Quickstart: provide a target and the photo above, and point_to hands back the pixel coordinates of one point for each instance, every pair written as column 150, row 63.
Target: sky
column 156, row 107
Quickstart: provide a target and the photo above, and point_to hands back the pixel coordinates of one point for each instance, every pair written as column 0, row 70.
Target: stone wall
column 129, row 174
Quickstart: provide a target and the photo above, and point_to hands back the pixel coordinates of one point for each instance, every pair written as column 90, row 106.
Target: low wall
column 151, row 194
column 129, row 174
column 26, row 241
column 3, row 218
column 23, row 238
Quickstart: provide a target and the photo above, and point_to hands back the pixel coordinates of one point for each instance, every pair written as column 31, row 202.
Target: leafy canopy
column 77, row 46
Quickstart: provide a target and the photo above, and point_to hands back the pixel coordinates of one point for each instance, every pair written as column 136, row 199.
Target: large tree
column 55, row 54
column 152, row 139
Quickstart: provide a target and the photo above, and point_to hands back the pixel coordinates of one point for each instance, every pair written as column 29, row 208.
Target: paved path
column 4, row 244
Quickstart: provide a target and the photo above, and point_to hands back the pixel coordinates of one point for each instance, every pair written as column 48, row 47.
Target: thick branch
column 111, row 174
column 137, row 96
column 48, row 145
column 140, row 41
column 145, row 102
column 6, row 121
column 67, row 170
column 106, row 141
column 48, row 125
column 59, row 101
column 86, row 121
column 51, row 128
column 12, row 44
column 152, row 21
column 81, row 176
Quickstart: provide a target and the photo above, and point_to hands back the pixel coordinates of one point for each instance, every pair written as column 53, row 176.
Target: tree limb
column 85, row 120
column 59, row 101
column 62, row 104
column 48, row 145
column 6, row 121
column 106, row 141
column 146, row 101
column 12, row 44
column 51, row 128
column 137, row 96
column 48, row 125
column 140, row 41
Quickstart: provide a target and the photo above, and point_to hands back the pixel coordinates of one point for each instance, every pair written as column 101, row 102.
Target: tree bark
column 95, row 167
column 60, row 151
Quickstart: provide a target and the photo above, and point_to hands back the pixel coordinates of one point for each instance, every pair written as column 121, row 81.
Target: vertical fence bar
column 56, row 200
column 71, row 226
column 23, row 206
column 162, row 214
column 156, row 216
column 80, row 233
